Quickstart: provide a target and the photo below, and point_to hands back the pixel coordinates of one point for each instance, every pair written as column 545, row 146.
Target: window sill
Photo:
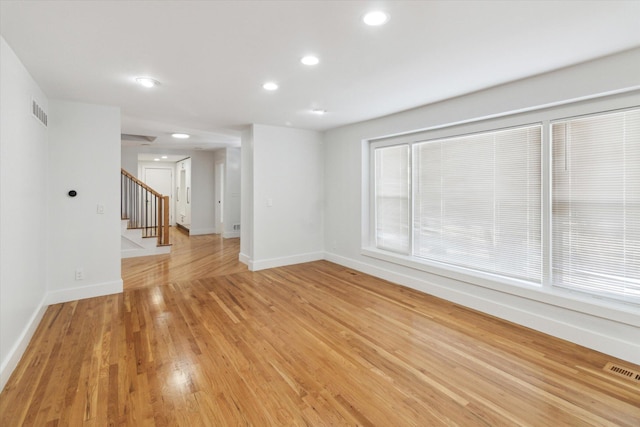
column 627, row 313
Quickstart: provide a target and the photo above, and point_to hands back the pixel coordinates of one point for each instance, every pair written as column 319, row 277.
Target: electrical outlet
column 79, row 274
column 100, row 208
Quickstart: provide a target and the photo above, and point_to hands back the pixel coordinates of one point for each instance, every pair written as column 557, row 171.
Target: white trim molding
column 201, row 231
column 263, row 264
column 18, row 349
column 618, row 339
column 90, row 291
column 245, row 259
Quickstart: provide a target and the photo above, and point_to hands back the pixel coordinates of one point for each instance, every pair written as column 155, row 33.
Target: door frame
column 219, row 196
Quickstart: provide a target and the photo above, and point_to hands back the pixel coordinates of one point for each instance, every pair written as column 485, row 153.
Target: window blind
column 392, row 198
column 477, row 201
column 596, row 204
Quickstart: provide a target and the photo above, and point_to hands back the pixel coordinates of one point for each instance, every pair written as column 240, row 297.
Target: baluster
column 154, row 216
column 145, row 209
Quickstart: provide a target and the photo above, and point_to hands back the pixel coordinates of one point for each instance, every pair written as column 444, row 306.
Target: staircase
column 145, row 218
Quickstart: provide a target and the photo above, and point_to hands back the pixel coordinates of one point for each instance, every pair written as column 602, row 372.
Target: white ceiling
column 170, row 158
column 212, row 57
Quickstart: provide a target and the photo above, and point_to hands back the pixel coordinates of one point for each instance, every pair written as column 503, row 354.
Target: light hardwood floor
column 192, row 257
column 197, row 340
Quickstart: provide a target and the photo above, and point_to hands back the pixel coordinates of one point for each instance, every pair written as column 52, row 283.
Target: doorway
column 161, row 180
column 219, row 198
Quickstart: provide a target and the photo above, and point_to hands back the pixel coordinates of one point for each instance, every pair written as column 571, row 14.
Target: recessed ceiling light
column 164, row 157
column 147, row 82
column 270, row 86
column 375, row 18
column 310, row 60
column 180, row 135
column 319, row 111
column 156, row 160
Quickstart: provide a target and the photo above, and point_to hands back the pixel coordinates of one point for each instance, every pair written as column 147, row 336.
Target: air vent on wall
column 38, row 112
column 236, row 227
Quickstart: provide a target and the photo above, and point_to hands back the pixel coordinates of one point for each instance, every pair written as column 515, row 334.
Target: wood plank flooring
column 208, row 343
column 192, row 257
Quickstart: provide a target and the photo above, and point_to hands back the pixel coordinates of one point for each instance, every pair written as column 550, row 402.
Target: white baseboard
column 230, row 234
column 55, row 297
column 244, row 259
column 597, row 333
column 89, row 291
column 200, row 231
column 289, row 260
column 18, row 349
column 137, row 252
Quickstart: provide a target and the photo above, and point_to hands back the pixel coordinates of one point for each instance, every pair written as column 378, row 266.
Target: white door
column 182, row 195
column 219, row 198
column 161, row 180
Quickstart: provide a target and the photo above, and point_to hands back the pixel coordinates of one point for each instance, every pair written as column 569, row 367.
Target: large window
column 474, row 203
column 596, row 203
column 477, row 202
column 392, row 198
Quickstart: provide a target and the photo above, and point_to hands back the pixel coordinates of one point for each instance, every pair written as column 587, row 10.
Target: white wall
column 246, row 196
column 46, row 235
column 84, row 155
column 287, row 196
column 610, row 328
column 129, row 159
column 203, row 204
column 23, row 210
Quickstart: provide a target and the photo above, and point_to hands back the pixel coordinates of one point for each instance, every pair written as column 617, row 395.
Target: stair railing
column 144, row 208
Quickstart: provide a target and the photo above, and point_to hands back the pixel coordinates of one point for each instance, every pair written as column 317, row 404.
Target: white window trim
column 622, row 311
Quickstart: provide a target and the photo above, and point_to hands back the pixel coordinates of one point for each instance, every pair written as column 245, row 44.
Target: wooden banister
column 140, row 183
column 144, row 208
column 163, row 218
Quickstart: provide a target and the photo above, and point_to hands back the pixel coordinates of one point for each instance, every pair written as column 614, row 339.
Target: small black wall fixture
column 72, row 193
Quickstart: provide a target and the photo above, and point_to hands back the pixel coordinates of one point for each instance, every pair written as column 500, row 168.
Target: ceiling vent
column 145, row 139
column 38, row 112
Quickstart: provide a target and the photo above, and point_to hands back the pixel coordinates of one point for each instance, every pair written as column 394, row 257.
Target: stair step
column 133, row 244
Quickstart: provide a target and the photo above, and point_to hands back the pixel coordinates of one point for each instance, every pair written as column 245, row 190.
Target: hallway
column 191, row 258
